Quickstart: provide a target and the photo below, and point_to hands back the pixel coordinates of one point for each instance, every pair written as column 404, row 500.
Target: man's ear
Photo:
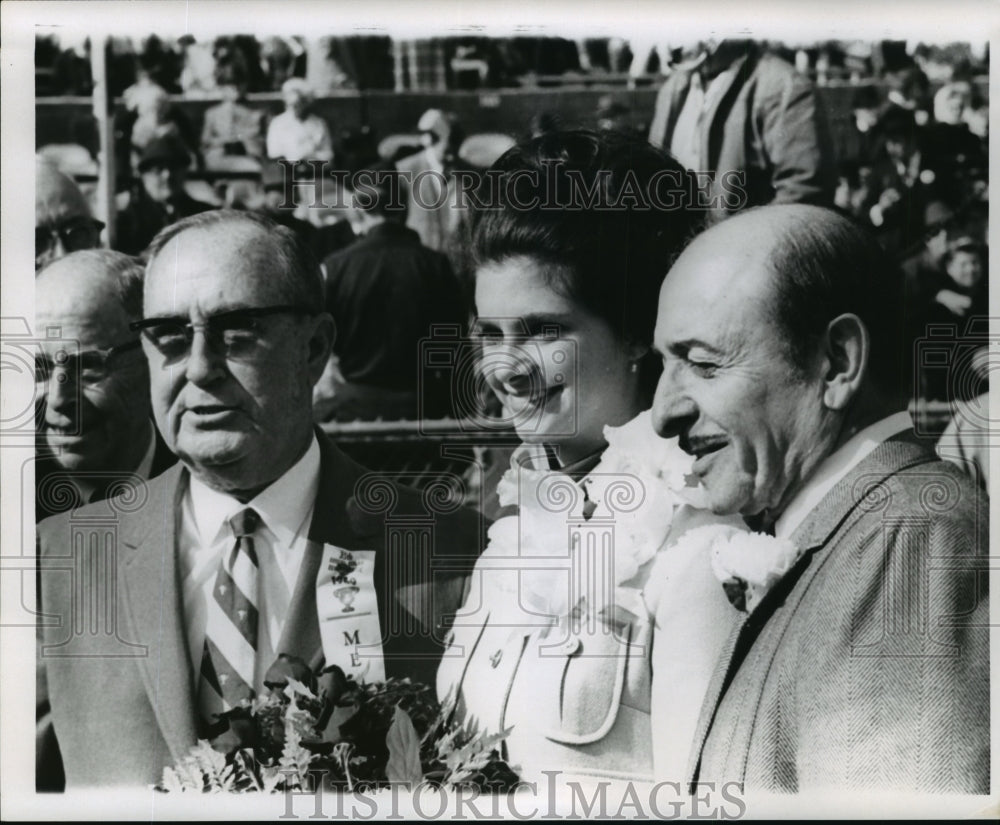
column 321, row 345
column 846, row 348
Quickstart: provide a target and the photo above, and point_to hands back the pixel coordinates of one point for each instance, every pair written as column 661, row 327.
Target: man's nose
column 61, row 390
column 673, row 409
column 205, row 363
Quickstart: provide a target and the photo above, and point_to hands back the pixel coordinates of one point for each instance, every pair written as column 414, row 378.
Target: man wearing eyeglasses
column 63, row 221
column 263, row 540
column 94, row 419
column 94, row 422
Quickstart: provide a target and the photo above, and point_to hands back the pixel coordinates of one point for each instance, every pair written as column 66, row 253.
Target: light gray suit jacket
column 867, row 666
column 116, row 659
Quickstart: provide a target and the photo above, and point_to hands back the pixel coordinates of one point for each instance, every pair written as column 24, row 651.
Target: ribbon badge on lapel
column 347, row 609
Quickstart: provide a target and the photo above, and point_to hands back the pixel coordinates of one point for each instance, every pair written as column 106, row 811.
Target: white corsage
column 747, row 564
column 578, row 544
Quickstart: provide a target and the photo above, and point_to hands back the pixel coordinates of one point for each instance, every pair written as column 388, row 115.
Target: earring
column 634, row 367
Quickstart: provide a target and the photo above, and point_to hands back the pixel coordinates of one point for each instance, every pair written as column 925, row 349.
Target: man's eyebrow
column 688, row 344
column 223, row 310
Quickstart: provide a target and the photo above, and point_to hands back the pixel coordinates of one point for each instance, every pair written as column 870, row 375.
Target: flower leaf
column 404, row 750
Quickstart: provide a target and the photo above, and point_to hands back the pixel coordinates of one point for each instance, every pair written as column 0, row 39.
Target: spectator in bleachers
column 902, row 184
column 430, row 187
column 923, row 269
column 156, row 117
column 766, row 119
column 909, row 89
column 961, row 292
column 298, row 134
column 160, row 198
column 867, row 107
column 385, row 292
column 64, row 222
column 231, row 128
column 198, row 75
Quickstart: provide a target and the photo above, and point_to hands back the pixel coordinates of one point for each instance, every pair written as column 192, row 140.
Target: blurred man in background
column 63, row 220
column 385, row 292
column 709, row 114
column 161, row 198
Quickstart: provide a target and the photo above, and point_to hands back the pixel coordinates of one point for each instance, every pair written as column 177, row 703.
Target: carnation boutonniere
column 747, row 564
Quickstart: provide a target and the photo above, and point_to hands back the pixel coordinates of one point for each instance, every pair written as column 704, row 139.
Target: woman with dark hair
column 592, row 584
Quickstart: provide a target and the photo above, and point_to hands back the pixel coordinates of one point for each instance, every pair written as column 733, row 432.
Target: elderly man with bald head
column 63, row 220
column 864, row 660
column 94, row 419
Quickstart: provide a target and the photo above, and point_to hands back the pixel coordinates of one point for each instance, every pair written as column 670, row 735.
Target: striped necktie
column 230, row 653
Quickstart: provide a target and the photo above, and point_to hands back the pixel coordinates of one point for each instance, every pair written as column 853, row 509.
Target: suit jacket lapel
column 301, row 634
column 860, row 484
column 154, row 610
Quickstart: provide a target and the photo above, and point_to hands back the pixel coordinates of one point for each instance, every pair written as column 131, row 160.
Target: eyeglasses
column 74, row 234
column 89, row 367
column 236, row 334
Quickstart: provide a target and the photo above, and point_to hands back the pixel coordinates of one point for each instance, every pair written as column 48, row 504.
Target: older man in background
column 95, row 423
column 864, row 660
column 63, row 219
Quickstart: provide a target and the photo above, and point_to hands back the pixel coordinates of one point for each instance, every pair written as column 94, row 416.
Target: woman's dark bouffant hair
column 609, row 210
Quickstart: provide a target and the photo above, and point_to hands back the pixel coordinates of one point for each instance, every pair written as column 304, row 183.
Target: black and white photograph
column 443, row 411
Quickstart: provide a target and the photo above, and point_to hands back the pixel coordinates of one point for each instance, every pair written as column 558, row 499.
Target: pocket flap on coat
column 592, row 684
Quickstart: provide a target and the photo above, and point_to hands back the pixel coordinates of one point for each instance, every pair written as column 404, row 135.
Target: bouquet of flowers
column 326, row 730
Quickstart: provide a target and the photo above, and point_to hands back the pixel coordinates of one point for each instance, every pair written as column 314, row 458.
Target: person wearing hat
column 298, row 134
column 160, row 199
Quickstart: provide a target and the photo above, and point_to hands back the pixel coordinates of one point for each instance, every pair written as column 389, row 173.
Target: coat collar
column 864, row 483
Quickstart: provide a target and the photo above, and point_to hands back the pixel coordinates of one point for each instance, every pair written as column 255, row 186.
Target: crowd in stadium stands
column 918, row 178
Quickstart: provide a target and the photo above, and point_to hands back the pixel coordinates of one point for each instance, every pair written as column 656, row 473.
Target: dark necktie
column 230, row 652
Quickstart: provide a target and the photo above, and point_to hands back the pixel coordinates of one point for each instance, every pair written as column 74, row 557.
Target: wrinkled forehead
column 81, row 307
column 213, row 269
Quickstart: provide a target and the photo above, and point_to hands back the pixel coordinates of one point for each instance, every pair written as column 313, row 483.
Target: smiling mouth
column 701, row 449
column 71, row 433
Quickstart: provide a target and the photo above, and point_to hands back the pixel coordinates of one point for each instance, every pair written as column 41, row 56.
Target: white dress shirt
column 834, row 467
column 285, row 509
column 686, row 142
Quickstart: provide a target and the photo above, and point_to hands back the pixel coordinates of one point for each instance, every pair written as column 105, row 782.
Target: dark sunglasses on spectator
column 76, row 233
column 88, row 367
column 235, row 334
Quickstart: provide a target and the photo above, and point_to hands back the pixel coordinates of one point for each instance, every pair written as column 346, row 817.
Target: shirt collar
column 540, row 457
column 834, row 467
column 282, row 507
